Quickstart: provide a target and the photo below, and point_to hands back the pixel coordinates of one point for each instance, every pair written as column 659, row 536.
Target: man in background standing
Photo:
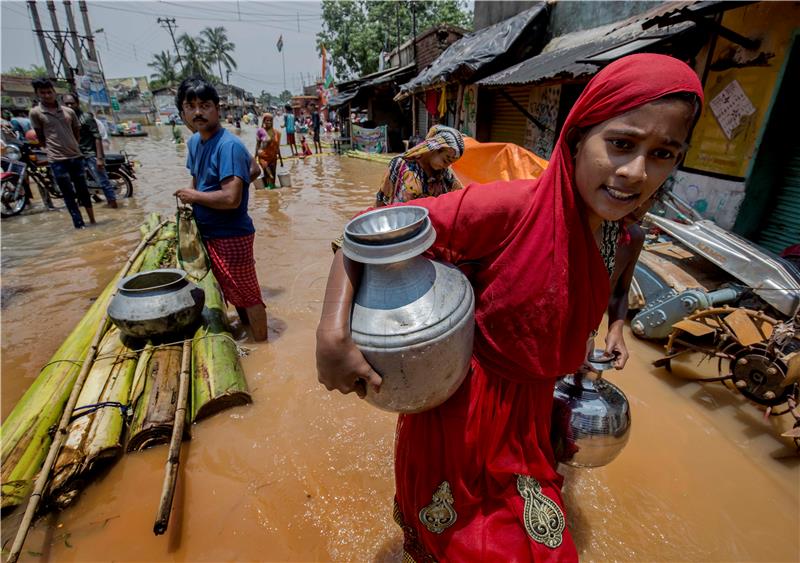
column 220, row 167
column 289, row 125
column 58, row 130
column 316, row 124
column 91, row 144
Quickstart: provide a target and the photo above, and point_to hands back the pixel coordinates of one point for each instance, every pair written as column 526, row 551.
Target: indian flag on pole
column 280, row 43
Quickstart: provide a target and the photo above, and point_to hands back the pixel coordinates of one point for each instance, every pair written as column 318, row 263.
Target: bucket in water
column 285, row 178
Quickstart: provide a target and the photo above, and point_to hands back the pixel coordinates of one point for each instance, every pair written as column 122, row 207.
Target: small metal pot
column 591, row 418
column 156, row 303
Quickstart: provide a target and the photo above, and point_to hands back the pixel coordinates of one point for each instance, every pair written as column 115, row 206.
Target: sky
column 131, row 36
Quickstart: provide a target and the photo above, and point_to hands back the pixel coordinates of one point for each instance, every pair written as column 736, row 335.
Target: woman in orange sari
column 268, row 149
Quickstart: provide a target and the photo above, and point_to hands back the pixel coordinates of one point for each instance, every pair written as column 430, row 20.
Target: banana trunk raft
column 129, row 398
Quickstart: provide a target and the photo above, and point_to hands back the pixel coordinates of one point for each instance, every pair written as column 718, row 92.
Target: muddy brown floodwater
column 303, row 474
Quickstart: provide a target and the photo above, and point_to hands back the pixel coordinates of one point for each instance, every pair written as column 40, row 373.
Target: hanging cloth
column 443, row 102
column 431, row 101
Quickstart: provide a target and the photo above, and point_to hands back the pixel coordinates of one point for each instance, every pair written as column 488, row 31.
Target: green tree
column 195, row 56
column 285, row 96
column 266, row 99
column 356, row 31
column 35, row 71
column 219, row 48
column 163, row 64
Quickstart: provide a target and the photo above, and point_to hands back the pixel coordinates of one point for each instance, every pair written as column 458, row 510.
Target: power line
column 261, row 23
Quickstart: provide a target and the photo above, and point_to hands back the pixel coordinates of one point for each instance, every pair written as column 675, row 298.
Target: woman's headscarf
column 263, row 133
column 438, row 137
column 553, row 250
column 573, row 292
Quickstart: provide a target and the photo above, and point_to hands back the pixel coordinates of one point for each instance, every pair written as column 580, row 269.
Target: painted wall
column 740, row 87
column 543, row 104
column 715, row 199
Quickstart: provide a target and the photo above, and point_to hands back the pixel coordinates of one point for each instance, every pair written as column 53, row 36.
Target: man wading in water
column 220, row 168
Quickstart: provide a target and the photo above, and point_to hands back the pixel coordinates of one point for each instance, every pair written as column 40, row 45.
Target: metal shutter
column 422, row 116
column 507, row 122
column 782, row 227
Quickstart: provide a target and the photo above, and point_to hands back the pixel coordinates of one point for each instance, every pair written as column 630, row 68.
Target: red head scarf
column 577, row 289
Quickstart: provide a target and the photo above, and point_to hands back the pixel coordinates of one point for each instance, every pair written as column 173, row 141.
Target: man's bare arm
column 229, row 196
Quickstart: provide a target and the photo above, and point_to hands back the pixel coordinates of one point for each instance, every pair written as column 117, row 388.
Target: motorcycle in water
column 13, row 198
column 119, row 167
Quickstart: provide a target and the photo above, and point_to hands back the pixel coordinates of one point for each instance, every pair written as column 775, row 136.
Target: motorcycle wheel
column 19, row 203
column 123, row 186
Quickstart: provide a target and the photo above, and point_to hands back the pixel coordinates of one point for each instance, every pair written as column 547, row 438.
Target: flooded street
column 303, row 474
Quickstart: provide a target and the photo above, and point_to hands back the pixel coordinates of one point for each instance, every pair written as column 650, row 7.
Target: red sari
column 476, row 477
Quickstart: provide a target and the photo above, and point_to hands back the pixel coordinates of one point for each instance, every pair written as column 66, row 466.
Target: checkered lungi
column 235, row 269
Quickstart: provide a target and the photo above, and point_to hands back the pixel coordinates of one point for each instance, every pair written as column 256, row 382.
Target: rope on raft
column 241, row 351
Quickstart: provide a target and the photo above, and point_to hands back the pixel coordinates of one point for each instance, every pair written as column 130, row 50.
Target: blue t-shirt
column 288, row 121
column 210, row 162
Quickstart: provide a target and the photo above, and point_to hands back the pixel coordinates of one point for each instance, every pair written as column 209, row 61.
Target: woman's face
column 441, row 158
column 267, row 123
column 621, row 162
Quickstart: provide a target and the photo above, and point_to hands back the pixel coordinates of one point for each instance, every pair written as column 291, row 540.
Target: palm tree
column 164, row 65
column 219, row 48
column 196, row 55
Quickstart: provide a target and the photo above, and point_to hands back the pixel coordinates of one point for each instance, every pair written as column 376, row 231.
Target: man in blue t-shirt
column 220, row 168
column 288, row 124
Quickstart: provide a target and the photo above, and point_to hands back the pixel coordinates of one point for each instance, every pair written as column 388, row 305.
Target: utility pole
column 87, row 29
column 167, row 24
column 73, row 31
column 37, row 26
column 60, row 42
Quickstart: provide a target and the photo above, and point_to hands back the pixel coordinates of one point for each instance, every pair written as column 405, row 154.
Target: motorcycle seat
column 114, row 158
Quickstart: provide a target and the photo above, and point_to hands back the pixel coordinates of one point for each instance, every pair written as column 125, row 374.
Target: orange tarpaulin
column 488, row 162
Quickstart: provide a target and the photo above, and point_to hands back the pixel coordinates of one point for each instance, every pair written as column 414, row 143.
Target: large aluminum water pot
column 156, row 303
column 591, row 418
column 413, row 318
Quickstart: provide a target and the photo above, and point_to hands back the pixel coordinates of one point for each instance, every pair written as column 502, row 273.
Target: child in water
column 304, row 147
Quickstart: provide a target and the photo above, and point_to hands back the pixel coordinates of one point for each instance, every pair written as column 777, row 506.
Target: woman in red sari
column 476, row 477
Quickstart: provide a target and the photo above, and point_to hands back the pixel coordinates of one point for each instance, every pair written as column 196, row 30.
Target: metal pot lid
column 600, row 360
column 390, row 252
column 387, row 225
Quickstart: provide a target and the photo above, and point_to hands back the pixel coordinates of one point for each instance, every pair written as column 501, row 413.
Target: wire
column 260, row 23
column 195, row 8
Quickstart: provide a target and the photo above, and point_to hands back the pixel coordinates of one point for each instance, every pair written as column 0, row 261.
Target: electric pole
column 73, row 31
column 87, row 29
column 60, row 42
column 37, row 26
column 168, row 23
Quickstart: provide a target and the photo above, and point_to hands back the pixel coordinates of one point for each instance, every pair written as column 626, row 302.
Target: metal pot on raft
column 156, row 303
column 413, row 318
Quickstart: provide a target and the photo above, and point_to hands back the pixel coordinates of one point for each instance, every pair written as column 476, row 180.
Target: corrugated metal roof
column 374, row 79
column 568, row 56
column 475, row 50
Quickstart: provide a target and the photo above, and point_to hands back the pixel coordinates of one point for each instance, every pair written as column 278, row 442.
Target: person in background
column 268, row 149
column 304, row 146
column 289, row 125
column 21, row 124
column 91, row 144
column 58, row 131
column 316, row 125
column 423, row 170
column 101, row 127
column 220, row 167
